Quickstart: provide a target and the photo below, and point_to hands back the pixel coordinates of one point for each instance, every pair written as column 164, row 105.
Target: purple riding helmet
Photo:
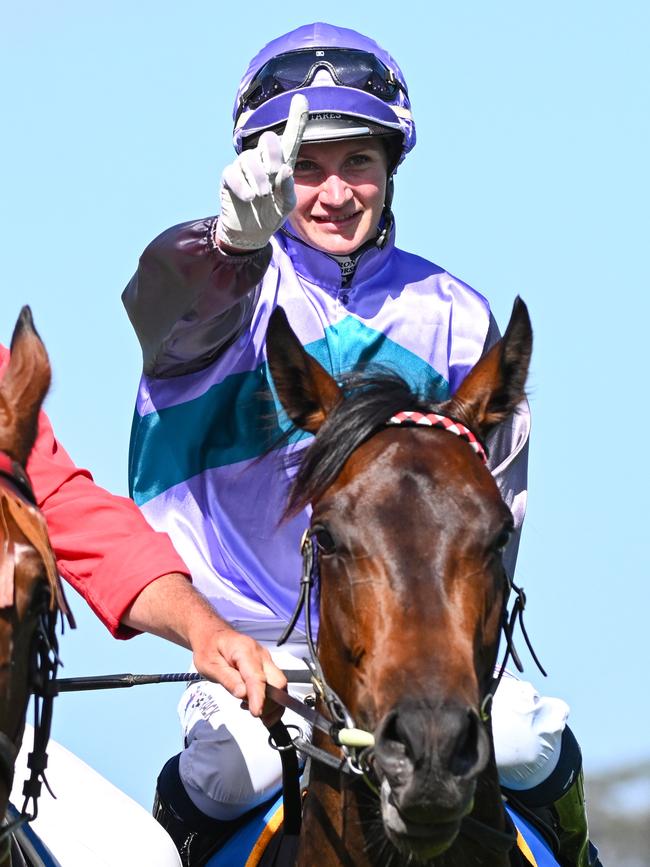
column 353, row 86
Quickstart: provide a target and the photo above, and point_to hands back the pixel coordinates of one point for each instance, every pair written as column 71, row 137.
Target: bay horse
column 30, row 591
column 407, row 533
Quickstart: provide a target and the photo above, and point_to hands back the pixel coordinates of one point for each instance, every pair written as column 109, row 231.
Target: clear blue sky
column 530, row 176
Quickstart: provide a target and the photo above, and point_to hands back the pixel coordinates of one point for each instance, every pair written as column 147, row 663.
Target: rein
column 44, row 660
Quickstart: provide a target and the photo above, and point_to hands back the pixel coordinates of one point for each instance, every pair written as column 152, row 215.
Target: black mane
column 369, row 401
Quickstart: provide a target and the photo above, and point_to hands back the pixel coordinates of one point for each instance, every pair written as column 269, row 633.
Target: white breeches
column 228, row 766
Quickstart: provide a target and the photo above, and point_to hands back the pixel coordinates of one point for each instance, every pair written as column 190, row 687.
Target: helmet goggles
column 349, row 67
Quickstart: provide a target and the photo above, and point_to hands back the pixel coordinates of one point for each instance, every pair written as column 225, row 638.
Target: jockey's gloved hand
column 257, row 193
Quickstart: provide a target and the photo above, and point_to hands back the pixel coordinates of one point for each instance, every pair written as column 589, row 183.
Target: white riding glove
column 257, row 193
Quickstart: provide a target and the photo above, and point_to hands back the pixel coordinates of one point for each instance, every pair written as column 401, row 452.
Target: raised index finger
column 295, row 128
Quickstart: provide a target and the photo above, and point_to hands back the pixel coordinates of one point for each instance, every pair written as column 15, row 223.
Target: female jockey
column 322, row 120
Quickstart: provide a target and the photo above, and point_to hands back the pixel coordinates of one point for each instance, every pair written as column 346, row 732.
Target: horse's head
column 28, row 578
column 411, row 527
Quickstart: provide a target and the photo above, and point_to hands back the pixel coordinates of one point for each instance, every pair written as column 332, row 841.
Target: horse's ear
column 306, row 390
column 493, row 388
column 23, row 389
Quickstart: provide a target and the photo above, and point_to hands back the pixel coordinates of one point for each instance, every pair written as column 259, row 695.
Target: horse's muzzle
column 427, row 756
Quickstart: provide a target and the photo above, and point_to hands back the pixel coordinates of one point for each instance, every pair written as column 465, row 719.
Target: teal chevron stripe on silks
column 233, row 421
column 240, row 418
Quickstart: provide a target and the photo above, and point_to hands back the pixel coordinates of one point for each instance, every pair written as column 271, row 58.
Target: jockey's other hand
column 243, row 667
column 257, row 193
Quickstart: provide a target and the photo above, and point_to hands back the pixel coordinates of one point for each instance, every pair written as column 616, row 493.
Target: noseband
column 18, row 501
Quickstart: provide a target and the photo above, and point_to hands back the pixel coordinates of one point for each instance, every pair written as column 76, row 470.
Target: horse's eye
column 324, row 540
column 502, row 540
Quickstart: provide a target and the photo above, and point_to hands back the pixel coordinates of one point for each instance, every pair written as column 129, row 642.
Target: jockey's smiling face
column 341, row 188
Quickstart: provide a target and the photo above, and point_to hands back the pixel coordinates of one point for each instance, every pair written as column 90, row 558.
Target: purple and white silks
column 196, row 469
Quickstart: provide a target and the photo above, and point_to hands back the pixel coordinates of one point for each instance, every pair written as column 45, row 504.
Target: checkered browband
column 434, row 419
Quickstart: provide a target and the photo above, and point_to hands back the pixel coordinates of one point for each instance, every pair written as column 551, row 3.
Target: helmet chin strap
column 387, row 213
column 390, row 192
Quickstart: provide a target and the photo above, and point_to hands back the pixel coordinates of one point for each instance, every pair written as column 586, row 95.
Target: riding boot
column 195, row 835
column 570, row 824
column 559, row 802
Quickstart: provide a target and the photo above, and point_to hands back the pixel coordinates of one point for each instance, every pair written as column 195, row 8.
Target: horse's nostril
column 393, row 735
column 391, row 751
column 464, row 756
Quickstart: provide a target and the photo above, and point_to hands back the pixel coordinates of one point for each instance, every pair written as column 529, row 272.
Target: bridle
column 18, row 501
column 354, row 743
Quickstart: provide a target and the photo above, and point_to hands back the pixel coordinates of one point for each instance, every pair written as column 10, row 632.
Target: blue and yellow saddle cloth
column 530, row 842
column 247, row 846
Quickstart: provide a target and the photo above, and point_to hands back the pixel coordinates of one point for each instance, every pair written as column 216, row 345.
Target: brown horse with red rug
column 30, row 592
